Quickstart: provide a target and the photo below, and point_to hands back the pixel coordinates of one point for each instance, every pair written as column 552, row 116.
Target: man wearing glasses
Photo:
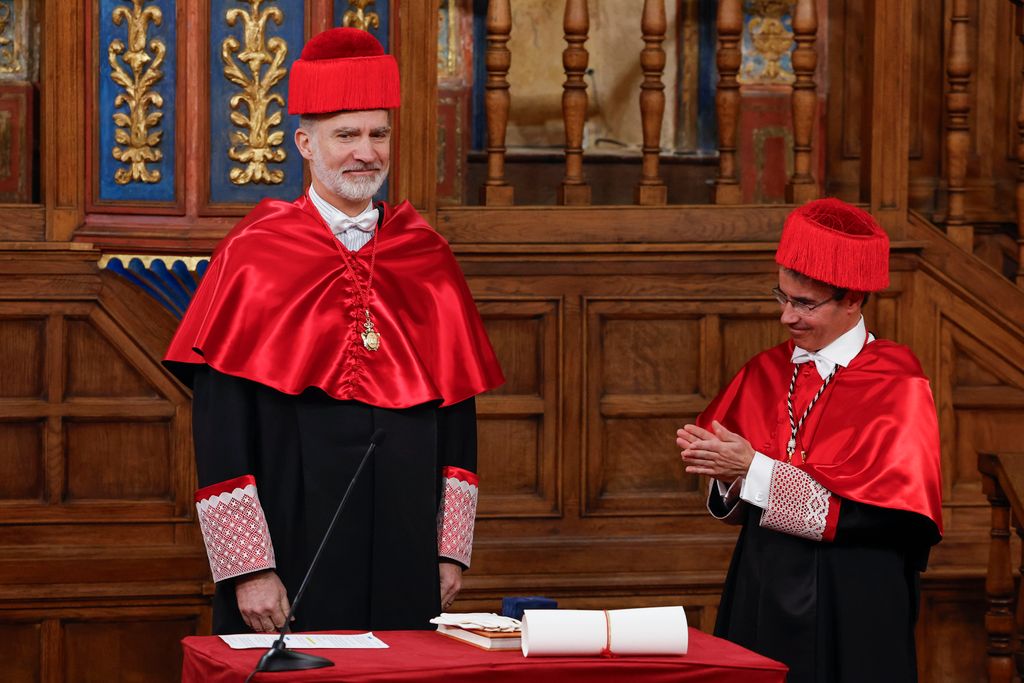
column 826, row 450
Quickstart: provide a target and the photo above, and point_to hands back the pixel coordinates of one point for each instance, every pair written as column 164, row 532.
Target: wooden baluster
column 651, row 189
column 727, row 99
column 958, row 136
column 574, row 190
column 1020, row 155
column 998, row 580
column 802, row 186
column 495, row 191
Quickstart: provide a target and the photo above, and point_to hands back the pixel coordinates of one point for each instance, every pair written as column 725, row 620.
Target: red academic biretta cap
column 836, row 243
column 343, row 69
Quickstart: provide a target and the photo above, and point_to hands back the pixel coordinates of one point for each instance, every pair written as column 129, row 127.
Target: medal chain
column 795, row 426
column 364, row 292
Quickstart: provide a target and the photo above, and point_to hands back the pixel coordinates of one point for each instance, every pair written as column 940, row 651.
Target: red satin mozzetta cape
column 873, row 436
column 279, row 306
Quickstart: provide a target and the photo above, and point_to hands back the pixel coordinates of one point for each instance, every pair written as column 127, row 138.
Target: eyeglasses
column 801, row 307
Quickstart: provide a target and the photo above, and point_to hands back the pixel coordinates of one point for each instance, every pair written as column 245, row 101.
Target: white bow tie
column 366, row 221
column 823, row 365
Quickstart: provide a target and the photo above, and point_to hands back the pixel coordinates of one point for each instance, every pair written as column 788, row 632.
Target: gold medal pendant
column 371, row 340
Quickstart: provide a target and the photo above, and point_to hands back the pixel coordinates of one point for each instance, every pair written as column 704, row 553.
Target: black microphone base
column 283, row 659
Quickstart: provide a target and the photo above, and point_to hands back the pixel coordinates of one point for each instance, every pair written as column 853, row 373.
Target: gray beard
column 347, row 187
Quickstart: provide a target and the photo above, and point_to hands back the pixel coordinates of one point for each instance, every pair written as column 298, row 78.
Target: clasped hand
column 720, row 454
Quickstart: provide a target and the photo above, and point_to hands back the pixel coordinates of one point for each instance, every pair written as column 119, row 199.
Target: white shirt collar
column 338, row 220
column 840, row 352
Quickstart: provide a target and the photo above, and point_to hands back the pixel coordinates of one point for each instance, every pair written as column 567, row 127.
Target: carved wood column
column 885, row 131
column 1019, row 27
column 958, row 134
column 802, row 186
column 651, row 189
column 574, row 190
column 495, row 191
column 999, row 619
column 415, row 141
column 63, row 119
column 727, row 100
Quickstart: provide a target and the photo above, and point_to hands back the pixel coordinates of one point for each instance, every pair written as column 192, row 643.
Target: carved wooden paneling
column 652, row 366
column 99, row 651
column 21, row 358
column 644, row 361
column 101, row 567
column 22, row 461
column 743, row 337
column 89, row 415
column 517, row 427
column 882, row 312
column 95, row 368
column 109, row 460
column 984, row 391
column 951, row 633
column 21, row 651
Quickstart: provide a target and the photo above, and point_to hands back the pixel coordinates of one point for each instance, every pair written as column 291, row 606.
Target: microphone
column 279, row 657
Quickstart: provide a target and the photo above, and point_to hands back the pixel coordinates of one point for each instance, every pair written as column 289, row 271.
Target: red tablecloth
column 429, row 656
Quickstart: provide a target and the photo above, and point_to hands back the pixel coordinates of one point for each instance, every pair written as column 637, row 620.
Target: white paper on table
column 484, row 621
column 641, row 631
column 306, row 641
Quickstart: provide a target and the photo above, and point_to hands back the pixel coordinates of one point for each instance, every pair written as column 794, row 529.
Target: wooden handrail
column 1002, row 480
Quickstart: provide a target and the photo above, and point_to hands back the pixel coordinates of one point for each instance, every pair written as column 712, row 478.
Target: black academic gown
column 834, row 612
column 379, row 569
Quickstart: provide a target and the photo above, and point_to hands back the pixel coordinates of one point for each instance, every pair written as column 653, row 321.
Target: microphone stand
column 279, row 657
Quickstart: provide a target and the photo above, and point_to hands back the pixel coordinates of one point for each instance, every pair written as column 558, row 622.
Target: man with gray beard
column 319, row 322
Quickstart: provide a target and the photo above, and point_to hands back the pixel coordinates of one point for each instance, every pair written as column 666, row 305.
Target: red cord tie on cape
column 607, row 651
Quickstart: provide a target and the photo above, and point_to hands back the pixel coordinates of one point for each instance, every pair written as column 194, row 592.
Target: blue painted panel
column 172, row 288
column 383, row 10
column 166, row 32
column 707, row 85
column 291, row 30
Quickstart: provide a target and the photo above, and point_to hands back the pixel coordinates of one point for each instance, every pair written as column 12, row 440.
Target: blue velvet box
column 514, row 607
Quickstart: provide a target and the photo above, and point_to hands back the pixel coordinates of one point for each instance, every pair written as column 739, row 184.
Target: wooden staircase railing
column 1002, row 479
column 651, row 189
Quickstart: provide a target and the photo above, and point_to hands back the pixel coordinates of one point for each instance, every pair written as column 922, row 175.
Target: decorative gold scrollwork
column 134, row 128
column 256, row 145
column 770, row 39
column 10, row 49
column 359, row 18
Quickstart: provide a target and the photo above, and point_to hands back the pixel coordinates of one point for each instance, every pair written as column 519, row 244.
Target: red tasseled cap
column 836, row 243
column 343, row 69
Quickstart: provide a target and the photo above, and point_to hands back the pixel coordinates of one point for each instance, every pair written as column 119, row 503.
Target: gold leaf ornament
column 358, row 17
column 137, row 70
column 256, row 66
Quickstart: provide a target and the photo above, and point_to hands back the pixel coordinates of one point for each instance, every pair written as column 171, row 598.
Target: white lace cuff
column 799, row 505
column 457, row 514
column 234, row 528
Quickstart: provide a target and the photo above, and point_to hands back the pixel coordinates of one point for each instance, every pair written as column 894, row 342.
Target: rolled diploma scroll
column 642, row 631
